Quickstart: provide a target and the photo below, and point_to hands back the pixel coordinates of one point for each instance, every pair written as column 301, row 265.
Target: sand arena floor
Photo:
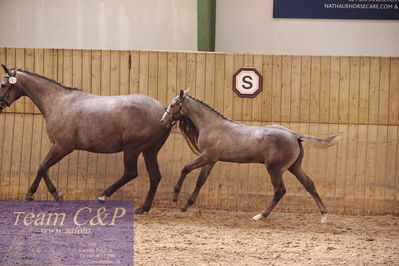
column 170, row 237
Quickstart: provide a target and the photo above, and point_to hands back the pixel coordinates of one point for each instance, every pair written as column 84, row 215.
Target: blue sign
column 66, row 233
column 337, row 9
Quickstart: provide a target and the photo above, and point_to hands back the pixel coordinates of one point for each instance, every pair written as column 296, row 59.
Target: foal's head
column 174, row 112
column 10, row 91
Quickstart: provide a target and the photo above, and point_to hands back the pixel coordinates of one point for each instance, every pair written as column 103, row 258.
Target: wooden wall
column 357, row 97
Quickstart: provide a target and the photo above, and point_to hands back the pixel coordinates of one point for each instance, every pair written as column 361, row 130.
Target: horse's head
column 174, row 112
column 9, row 89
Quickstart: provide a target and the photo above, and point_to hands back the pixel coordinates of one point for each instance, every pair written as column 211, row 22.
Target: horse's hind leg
column 276, row 177
column 130, row 172
column 55, row 154
column 205, row 171
column 308, row 183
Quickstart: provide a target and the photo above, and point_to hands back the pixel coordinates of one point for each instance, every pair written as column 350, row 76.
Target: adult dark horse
column 76, row 120
column 215, row 138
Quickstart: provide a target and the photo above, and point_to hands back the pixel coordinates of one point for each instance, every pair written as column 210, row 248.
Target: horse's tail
column 320, row 143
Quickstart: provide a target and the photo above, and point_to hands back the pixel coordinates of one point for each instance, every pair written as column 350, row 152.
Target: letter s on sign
column 245, row 80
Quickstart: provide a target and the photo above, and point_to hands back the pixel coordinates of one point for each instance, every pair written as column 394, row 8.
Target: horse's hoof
column 140, row 210
column 28, row 197
column 257, row 217
column 101, row 199
column 182, row 209
column 324, row 218
column 59, row 197
column 174, row 199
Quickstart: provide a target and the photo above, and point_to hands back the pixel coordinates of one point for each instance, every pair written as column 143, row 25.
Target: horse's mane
column 190, row 131
column 48, row 79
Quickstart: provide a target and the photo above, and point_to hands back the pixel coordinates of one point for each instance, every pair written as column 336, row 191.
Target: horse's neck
column 201, row 115
column 43, row 93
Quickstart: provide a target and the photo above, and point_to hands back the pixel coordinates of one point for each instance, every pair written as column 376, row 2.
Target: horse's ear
column 5, row 69
column 181, row 94
column 187, row 91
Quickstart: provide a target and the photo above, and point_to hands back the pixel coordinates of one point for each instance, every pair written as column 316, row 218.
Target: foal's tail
column 321, row 143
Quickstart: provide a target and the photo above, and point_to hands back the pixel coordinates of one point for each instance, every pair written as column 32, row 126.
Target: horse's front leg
column 198, row 162
column 55, row 154
column 206, row 170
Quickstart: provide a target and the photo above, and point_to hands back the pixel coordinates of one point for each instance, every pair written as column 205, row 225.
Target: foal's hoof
column 182, row 209
column 28, row 197
column 59, row 197
column 324, row 218
column 101, row 199
column 140, row 210
column 174, row 199
column 257, row 217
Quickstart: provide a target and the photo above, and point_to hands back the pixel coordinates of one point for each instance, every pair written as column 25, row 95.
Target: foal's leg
column 55, row 154
column 130, row 172
column 308, row 183
column 198, row 162
column 276, row 176
column 200, row 182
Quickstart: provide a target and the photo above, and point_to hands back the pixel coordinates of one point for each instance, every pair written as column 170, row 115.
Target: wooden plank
column 364, row 90
column 38, row 68
column 374, row 90
column 153, row 75
column 315, row 69
column 10, row 63
column 200, row 76
column 29, row 66
column 134, row 72
column 331, row 172
column 191, row 73
column 344, row 90
column 383, row 112
column 325, row 85
column 257, row 101
column 286, row 88
column 391, row 171
column 334, row 89
column 143, row 84
column 237, row 101
column 86, row 183
column 228, row 89
column 371, row 165
column 5, row 175
column 247, row 102
column 267, row 74
column 25, row 178
column 361, row 155
column 305, row 89
column 380, row 175
column 3, row 188
column 394, row 92
column 342, row 164
column 276, row 88
column 20, row 64
column 111, row 174
column 354, row 83
column 295, row 89
column 95, row 88
column 350, row 189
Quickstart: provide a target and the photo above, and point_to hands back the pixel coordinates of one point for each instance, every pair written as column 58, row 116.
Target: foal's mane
column 190, row 131
column 48, row 79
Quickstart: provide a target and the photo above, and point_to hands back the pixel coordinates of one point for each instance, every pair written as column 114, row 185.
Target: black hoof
column 59, row 197
column 28, row 197
column 174, row 199
column 182, row 209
